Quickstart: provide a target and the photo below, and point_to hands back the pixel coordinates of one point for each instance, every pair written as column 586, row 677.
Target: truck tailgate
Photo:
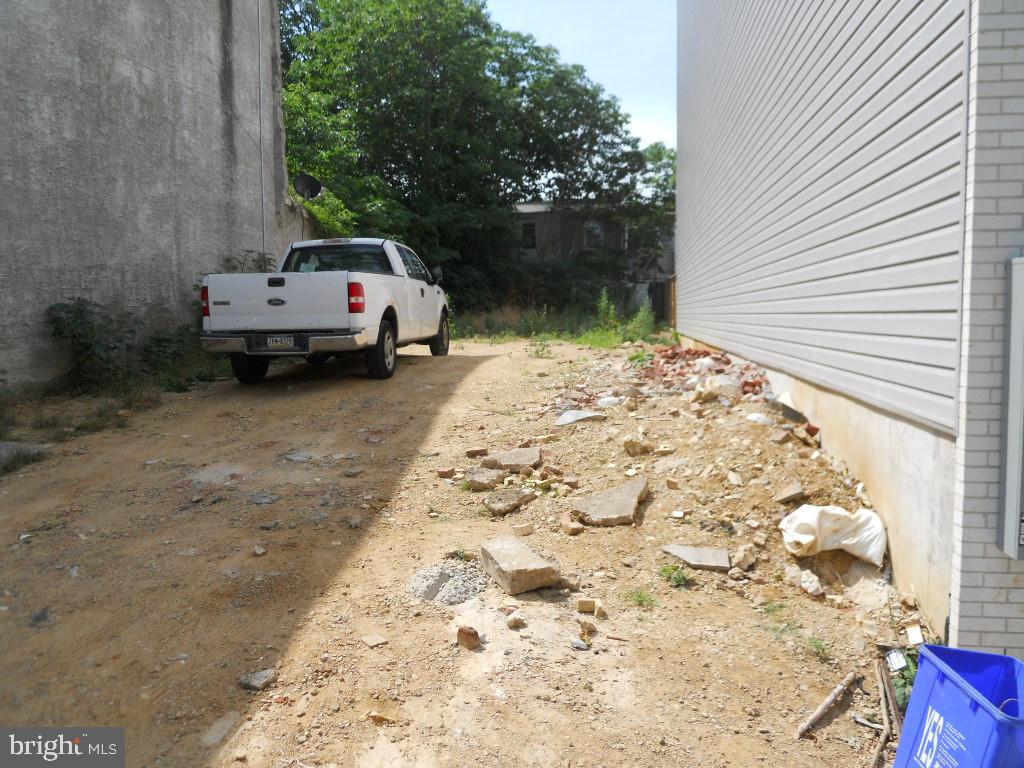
column 279, row 301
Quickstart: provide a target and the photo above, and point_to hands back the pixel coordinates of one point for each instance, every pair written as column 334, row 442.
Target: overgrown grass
column 601, row 327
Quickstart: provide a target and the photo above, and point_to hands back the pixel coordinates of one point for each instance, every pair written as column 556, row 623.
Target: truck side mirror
column 437, row 274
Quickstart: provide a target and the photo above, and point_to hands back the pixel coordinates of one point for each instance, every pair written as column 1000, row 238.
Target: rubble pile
column 728, row 482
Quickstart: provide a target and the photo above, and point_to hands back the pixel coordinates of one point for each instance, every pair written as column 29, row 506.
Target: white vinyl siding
column 821, row 191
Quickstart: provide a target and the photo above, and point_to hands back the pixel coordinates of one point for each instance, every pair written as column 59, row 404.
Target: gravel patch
column 449, row 582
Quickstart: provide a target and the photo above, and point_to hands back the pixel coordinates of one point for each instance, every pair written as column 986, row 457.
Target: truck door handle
column 422, row 292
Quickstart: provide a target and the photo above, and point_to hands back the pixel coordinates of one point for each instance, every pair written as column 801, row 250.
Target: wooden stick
column 887, row 725
column 894, row 707
column 805, row 726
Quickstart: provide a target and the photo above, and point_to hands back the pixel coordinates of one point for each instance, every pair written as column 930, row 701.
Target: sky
column 628, row 46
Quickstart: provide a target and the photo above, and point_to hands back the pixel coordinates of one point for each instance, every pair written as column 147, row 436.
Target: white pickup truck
column 327, row 297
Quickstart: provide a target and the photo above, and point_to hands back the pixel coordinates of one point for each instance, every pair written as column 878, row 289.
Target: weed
column 600, row 338
column 6, row 417
column 640, row 358
column 600, row 327
column 819, row 648
column 250, row 260
column 103, row 417
column 785, row 630
column 466, row 486
column 107, row 358
column 676, row 575
column 773, row 607
column 99, row 339
column 903, row 681
column 607, row 314
column 47, row 421
column 460, row 554
column 641, row 598
column 19, row 460
column 539, row 347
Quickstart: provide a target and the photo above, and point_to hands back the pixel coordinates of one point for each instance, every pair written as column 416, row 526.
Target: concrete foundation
column 906, row 470
column 141, row 144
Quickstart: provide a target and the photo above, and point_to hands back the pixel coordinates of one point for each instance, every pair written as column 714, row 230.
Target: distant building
column 550, row 232
column 851, row 197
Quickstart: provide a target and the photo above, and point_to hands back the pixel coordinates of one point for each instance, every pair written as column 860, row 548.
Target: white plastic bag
column 810, row 529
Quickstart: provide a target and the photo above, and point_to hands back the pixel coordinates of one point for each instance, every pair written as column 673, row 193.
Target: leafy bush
column 641, row 325
column 107, row 358
column 100, row 341
column 250, row 260
column 607, row 314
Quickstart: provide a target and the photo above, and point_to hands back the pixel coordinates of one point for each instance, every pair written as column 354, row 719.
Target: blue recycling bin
column 965, row 712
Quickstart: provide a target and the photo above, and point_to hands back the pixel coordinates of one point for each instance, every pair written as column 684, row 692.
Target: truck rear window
column 351, row 257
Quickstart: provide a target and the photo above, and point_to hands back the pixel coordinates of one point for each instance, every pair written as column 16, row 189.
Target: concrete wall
column 988, row 587
column 141, row 143
column 821, row 191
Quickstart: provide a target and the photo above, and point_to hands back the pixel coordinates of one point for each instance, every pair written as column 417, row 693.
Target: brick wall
column 987, row 605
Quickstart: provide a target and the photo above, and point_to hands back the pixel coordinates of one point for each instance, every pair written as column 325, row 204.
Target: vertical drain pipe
column 1012, row 538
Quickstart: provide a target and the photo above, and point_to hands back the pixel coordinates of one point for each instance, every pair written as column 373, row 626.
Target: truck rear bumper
column 305, row 343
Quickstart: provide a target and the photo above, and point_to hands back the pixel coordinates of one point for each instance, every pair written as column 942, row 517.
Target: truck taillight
column 204, row 299
column 356, row 298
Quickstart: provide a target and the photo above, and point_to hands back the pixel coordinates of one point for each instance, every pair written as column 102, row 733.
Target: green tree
column 428, row 122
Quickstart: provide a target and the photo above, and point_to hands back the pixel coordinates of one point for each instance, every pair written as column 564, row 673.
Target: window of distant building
column 593, row 234
column 529, row 235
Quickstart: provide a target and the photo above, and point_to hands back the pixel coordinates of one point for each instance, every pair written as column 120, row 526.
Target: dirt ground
column 139, row 599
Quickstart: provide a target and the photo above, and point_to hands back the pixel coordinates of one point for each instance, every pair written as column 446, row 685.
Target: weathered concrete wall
column 141, row 143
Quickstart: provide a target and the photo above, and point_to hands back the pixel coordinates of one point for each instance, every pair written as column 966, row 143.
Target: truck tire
column 439, row 344
column 382, row 357
column 249, row 370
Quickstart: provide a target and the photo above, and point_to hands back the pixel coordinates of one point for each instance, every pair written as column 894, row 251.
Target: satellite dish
column 309, row 187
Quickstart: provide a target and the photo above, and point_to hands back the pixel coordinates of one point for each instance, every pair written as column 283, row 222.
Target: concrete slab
column 506, row 500
column 616, row 506
column 477, row 479
column 516, row 566
column 515, row 460
column 701, row 558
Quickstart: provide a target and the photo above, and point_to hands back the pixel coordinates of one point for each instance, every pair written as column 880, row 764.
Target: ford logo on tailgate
column 276, row 302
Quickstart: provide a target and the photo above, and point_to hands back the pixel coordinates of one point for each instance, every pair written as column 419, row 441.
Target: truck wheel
column 439, row 344
column 382, row 357
column 249, row 370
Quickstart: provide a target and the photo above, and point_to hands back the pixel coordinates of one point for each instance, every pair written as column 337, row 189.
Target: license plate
column 280, row 342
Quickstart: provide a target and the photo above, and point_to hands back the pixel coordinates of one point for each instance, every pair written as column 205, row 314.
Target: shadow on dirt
column 151, row 579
